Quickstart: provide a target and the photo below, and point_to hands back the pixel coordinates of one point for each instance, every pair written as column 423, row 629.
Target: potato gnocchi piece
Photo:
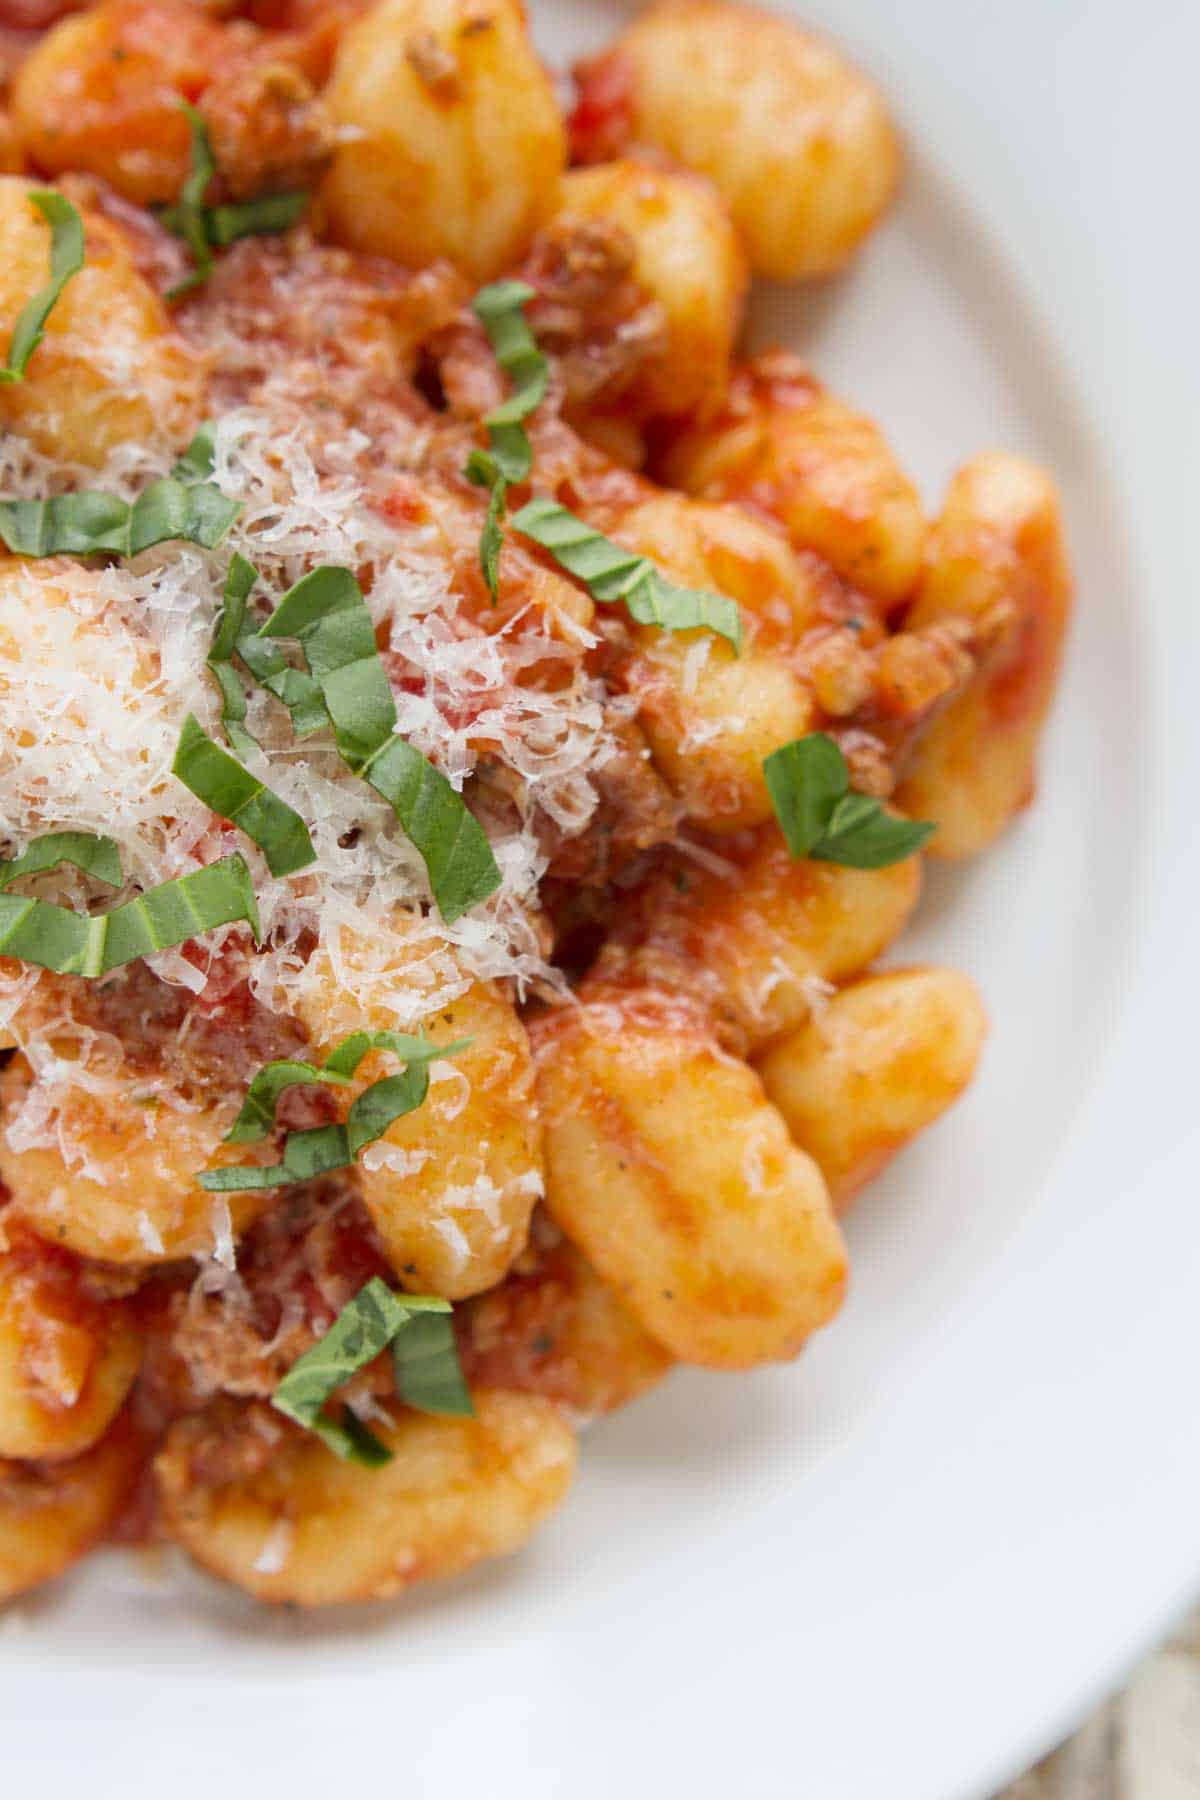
column 51, row 1514
column 758, row 942
column 710, row 716
column 291, row 1524
column 555, row 1328
column 453, row 144
column 997, row 553
column 127, row 1193
column 452, row 1186
column 687, row 256
column 876, row 1065
column 827, row 473
column 67, row 1360
column 111, row 369
column 798, row 143
column 100, row 93
column 669, row 1168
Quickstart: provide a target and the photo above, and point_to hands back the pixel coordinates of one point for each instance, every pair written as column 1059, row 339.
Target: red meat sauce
column 601, row 125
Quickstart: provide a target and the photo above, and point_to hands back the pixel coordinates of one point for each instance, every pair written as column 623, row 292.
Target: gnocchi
column 299, row 1527
column 876, row 1065
column 789, row 449
column 67, row 1359
column 451, row 1187
column 688, row 258
column 667, row 1165
column 51, row 1514
column 452, row 140
column 111, row 371
column 798, row 143
column 133, row 1195
column 997, row 552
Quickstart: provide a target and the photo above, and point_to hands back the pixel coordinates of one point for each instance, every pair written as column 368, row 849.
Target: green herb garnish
column 184, row 504
column 428, row 1373
column 610, row 573
column 66, row 259
column 238, row 584
column 205, row 228
column 257, row 1117
column 375, row 1318
column 235, row 794
column 98, row 857
column 809, row 784
column 71, row 943
column 294, row 688
column 326, row 614
column 307, row 1154
column 499, row 309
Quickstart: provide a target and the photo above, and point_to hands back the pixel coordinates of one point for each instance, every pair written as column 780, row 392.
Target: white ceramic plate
column 900, row 1569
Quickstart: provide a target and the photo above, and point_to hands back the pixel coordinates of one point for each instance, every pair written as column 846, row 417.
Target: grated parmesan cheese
column 99, row 669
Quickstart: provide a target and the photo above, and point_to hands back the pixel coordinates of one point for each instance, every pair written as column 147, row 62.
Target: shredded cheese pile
column 99, row 669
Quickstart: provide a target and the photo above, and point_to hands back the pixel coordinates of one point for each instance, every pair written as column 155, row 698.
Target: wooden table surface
column 1144, row 1745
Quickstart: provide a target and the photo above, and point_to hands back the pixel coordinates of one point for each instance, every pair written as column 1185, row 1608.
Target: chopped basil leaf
column 98, row 857
column 351, row 1440
column 294, row 688
column 362, row 1330
column 71, row 943
column 483, row 469
column 326, row 613
column 238, row 584
column 499, row 309
column 428, row 1373
column 255, row 218
column 809, row 785
column 66, row 259
column 187, row 218
column 307, row 1154
column 183, row 505
column 806, row 779
column 257, row 1117
column 235, row 794
column 204, row 227
column 199, row 460
column 610, row 573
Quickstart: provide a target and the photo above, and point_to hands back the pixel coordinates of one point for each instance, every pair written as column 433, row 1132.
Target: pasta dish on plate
column 468, row 730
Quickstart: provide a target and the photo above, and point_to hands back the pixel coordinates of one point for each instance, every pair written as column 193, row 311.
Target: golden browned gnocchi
column 111, row 371
column 687, row 256
column 126, row 1191
column 452, row 142
column 997, row 558
column 67, row 1359
column 667, row 1165
column 51, row 1514
column 711, row 716
column 764, row 941
column 798, row 143
column 875, row 1065
column 272, row 1511
column 553, row 1327
column 824, row 471
column 452, row 1187
column 467, row 734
